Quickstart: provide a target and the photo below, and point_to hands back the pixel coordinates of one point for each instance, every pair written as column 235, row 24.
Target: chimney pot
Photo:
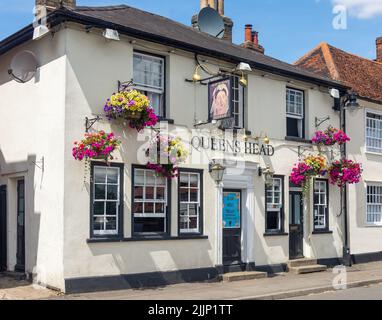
column 252, row 39
column 379, row 49
column 248, row 33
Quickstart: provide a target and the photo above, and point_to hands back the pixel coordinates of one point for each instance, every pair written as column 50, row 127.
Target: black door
column 3, row 228
column 20, row 256
column 296, row 226
column 231, row 227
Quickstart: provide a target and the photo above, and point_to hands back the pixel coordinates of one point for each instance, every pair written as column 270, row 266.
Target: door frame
column 294, row 192
column 3, row 230
column 20, row 266
column 241, row 225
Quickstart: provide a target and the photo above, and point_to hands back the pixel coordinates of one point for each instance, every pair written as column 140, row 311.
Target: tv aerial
column 23, row 66
column 211, row 22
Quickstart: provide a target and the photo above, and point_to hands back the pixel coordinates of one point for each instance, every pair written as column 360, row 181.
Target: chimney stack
column 56, row 3
column 379, row 49
column 252, row 39
column 218, row 5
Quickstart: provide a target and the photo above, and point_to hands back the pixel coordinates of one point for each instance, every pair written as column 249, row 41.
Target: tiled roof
column 151, row 27
column 364, row 76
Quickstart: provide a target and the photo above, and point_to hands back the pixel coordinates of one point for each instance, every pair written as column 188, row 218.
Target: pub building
column 118, row 224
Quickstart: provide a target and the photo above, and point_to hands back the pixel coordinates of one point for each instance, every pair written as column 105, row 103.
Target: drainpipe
column 346, row 256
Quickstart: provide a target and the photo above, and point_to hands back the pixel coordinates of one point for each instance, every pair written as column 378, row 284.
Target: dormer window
column 149, row 78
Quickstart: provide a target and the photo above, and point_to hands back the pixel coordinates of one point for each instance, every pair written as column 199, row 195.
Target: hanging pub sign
column 220, row 102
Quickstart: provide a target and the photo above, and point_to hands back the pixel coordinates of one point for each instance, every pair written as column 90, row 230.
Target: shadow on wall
column 10, row 172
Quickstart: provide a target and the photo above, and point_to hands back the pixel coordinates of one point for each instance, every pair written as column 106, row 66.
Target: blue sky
column 288, row 29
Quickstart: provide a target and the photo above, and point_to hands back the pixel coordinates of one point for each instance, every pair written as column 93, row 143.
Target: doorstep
column 241, row 276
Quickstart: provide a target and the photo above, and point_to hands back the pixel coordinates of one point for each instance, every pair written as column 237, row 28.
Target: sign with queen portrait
column 220, row 101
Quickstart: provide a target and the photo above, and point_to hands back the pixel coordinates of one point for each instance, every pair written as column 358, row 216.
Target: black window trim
column 155, row 235
column 282, row 212
column 303, row 119
column 165, row 115
column 201, row 191
column 121, row 197
column 326, row 229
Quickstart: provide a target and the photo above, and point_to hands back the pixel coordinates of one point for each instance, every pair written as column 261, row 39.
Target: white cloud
column 362, row 9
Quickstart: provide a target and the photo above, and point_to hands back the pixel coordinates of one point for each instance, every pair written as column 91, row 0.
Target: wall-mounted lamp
column 243, row 81
column 348, row 101
column 196, row 76
column 267, row 173
column 216, row 171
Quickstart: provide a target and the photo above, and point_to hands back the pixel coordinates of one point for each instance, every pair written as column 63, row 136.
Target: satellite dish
column 23, row 66
column 211, row 22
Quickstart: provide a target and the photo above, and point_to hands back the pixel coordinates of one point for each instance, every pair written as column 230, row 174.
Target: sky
column 287, row 29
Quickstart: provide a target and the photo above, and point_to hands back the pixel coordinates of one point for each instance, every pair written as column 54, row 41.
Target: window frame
column 241, row 103
column 200, row 172
column 377, row 113
column 167, row 233
column 372, row 224
column 120, row 208
column 281, row 230
column 327, row 195
column 164, row 79
column 294, row 116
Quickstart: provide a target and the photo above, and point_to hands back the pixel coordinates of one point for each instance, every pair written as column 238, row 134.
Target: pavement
column 279, row 286
column 13, row 289
column 373, row 292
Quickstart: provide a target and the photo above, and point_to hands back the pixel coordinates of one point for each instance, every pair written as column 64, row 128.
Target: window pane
column 194, row 181
column 111, row 208
column 193, row 222
column 100, row 191
column 98, row 223
column 183, row 195
column 159, row 208
column 138, row 193
column 160, row 193
column 112, row 175
column 145, row 225
column 138, row 207
column 272, row 220
column 111, row 223
column 193, row 209
column 112, row 192
column 99, row 207
column 139, row 177
column 149, row 193
column 149, row 207
column 99, row 175
column 184, row 179
column 194, row 195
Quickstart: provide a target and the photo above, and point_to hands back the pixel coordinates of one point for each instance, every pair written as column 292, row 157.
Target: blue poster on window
column 231, row 210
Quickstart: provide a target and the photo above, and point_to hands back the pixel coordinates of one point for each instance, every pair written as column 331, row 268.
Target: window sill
column 374, row 153
column 295, row 139
column 275, row 234
column 322, row 232
column 169, row 121
column 181, row 237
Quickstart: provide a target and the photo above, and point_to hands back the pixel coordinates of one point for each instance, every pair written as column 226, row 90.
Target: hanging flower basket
column 96, row 146
column 343, row 172
column 330, row 137
column 309, row 167
column 132, row 106
column 165, row 153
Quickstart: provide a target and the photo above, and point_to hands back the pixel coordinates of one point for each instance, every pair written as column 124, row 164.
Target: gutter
column 62, row 15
